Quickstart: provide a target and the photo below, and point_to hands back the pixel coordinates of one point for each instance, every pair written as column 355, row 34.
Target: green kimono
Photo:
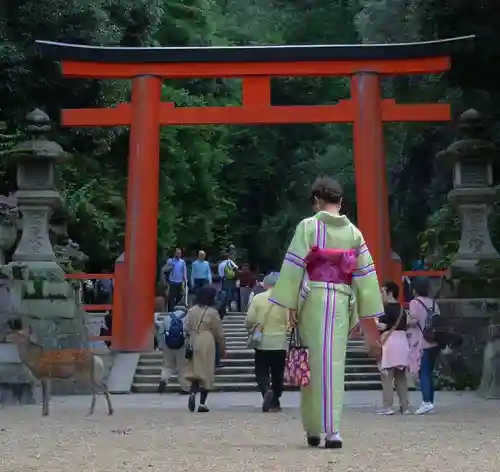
column 326, row 313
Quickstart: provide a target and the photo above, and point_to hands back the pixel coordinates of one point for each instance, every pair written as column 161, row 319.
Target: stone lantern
column 42, row 296
column 473, row 193
column 475, row 272
column 37, row 195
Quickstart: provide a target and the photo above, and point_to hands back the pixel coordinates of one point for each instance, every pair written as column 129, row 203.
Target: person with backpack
column 104, row 290
column 228, row 274
column 173, row 343
column 424, row 335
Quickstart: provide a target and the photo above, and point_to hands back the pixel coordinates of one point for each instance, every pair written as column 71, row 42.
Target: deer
column 46, row 365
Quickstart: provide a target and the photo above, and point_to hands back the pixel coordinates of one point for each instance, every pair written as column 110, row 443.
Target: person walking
column 423, row 354
column 395, row 351
column 201, row 274
column 175, row 272
column 256, row 289
column 172, row 342
column 228, row 273
column 270, row 354
column 160, row 310
column 204, row 330
column 247, row 281
column 326, row 265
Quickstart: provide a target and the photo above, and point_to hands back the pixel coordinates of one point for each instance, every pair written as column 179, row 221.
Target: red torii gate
column 255, row 65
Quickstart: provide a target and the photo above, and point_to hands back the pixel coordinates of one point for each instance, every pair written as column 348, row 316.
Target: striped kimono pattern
column 327, row 313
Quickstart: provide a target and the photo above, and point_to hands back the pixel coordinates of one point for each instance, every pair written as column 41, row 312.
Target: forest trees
column 244, row 185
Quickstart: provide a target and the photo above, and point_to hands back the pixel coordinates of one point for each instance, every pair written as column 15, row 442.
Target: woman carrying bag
column 268, row 327
column 204, row 330
column 395, row 351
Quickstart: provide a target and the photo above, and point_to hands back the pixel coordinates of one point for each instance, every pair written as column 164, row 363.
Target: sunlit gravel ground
column 153, row 433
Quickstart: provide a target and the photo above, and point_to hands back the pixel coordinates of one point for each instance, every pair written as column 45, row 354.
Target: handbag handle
column 394, row 326
column 294, row 339
column 201, row 320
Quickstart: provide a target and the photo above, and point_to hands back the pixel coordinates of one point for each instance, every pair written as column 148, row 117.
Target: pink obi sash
column 331, row 265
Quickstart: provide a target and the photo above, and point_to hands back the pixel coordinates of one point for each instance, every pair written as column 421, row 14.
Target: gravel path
column 240, row 438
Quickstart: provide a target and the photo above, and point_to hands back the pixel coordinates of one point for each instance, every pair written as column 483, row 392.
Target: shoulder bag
column 385, row 335
column 256, row 333
column 189, row 347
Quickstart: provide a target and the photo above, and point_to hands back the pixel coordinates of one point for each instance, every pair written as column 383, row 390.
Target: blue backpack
column 174, row 336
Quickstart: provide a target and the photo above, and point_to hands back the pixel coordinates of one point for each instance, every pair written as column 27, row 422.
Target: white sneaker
column 424, row 408
column 385, row 412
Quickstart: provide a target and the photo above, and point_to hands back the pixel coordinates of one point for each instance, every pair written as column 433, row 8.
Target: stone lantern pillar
column 473, row 193
column 475, row 270
column 41, row 293
column 37, row 195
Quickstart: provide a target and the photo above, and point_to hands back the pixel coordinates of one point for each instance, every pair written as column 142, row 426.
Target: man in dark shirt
column 392, row 308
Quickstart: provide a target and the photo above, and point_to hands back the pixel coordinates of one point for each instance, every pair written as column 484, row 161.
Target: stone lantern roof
column 472, row 140
column 38, row 146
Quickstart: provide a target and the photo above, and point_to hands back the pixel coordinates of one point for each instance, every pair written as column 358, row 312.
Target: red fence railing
column 94, row 307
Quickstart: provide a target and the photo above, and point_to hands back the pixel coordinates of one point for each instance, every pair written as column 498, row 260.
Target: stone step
column 224, row 378
column 244, row 353
column 248, row 369
column 156, row 359
column 240, row 338
column 249, row 387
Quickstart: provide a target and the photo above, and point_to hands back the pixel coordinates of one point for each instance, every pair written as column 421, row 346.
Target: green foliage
column 245, row 185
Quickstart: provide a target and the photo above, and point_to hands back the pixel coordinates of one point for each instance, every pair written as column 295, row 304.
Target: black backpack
column 174, row 336
column 436, row 327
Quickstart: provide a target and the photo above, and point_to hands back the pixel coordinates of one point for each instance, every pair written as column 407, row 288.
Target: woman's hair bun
column 326, row 189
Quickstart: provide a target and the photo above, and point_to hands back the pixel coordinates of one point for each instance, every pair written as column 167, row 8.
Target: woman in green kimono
column 325, row 269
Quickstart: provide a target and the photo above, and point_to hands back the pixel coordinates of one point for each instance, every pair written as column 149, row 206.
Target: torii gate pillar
column 142, row 214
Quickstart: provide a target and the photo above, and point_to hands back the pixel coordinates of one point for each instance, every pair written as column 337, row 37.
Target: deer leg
column 92, row 403
column 102, row 385
column 91, row 374
column 45, row 397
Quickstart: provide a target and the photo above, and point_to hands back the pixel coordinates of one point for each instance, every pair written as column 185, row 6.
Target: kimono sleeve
column 286, row 291
column 365, row 283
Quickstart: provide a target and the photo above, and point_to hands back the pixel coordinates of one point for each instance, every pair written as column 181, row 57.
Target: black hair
column 392, row 288
column 326, row 189
column 206, row 296
column 421, row 286
column 15, row 324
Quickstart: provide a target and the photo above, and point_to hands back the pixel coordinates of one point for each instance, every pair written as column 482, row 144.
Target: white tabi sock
column 334, row 437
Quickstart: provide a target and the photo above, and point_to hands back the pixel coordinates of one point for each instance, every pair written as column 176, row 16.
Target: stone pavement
column 153, row 433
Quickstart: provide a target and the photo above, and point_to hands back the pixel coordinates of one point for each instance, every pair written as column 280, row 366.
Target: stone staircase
column 236, row 372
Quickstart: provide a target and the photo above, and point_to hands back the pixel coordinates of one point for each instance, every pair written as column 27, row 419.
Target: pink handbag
column 297, row 371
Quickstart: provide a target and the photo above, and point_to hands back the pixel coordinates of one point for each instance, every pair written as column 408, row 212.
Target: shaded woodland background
column 246, row 185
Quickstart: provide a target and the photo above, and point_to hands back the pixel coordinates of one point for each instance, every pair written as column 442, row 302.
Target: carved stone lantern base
column 490, row 382
column 17, row 385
